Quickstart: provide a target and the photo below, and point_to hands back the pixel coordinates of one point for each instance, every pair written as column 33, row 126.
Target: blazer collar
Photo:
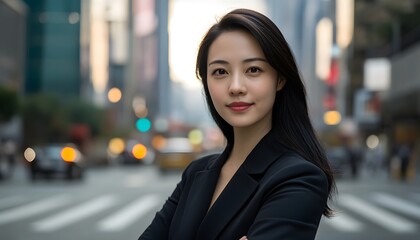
column 264, row 154
column 231, row 200
column 240, row 188
column 268, row 146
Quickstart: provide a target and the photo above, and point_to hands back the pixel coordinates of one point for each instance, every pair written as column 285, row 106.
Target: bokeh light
column 139, row 151
column 332, row 117
column 372, row 141
column 114, row 95
column 158, row 142
column 29, row 154
column 195, row 136
column 143, row 124
column 68, row 154
column 116, row 146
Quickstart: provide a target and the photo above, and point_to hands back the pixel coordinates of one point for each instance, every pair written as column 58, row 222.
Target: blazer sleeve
column 293, row 205
column 159, row 227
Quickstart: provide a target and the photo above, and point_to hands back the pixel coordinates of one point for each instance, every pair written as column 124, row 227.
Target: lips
column 239, row 106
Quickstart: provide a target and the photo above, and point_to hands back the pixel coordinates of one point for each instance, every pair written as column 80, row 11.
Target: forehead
column 235, row 45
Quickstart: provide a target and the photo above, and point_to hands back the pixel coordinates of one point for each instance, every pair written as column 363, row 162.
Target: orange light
column 139, row 151
column 116, row 146
column 158, row 142
column 332, row 117
column 114, row 95
column 68, row 154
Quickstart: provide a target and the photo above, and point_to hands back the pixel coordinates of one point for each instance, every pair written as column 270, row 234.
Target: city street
column 113, row 95
column 118, row 202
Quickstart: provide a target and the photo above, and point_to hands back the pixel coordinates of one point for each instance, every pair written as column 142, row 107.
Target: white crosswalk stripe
column 129, row 214
column 397, row 204
column 74, row 214
column 33, row 209
column 377, row 215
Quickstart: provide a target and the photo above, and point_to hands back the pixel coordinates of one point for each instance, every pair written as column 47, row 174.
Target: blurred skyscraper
column 12, row 58
column 53, row 40
column 297, row 19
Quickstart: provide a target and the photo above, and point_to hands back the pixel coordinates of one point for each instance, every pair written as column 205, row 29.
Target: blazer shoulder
column 293, row 165
column 202, row 163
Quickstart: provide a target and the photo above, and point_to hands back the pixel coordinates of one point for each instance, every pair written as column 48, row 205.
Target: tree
column 44, row 119
column 50, row 118
column 9, row 104
column 81, row 112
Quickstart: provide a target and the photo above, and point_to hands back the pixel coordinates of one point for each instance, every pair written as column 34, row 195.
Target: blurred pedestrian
column 353, row 156
column 375, row 158
column 403, row 154
column 9, row 149
column 273, row 180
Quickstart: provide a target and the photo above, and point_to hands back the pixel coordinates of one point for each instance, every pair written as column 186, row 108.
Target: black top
column 275, row 194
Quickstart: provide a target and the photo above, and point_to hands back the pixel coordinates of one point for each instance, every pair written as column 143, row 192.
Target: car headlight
column 68, row 154
column 29, row 154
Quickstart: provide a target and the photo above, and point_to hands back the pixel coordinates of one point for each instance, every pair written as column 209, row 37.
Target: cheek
column 216, row 96
column 214, row 91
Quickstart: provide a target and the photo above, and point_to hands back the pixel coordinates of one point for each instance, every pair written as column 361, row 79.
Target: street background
column 100, row 110
column 119, row 202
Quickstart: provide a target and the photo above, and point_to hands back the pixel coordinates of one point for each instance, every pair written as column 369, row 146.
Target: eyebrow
column 244, row 61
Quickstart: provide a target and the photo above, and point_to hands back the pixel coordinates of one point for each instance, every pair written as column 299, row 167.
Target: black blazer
column 275, row 194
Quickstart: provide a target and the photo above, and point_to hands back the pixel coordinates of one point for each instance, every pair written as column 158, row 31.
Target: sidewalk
column 376, row 181
column 18, row 174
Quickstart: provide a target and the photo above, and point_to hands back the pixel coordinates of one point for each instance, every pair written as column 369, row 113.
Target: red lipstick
column 239, row 106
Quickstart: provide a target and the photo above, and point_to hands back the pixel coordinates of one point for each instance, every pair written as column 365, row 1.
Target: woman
column 273, row 180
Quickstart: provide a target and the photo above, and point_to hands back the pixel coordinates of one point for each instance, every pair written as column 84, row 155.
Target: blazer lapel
column 230, row 201
column 199, row 198
column 240, row 188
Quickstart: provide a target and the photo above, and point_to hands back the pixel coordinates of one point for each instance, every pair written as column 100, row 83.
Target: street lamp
column 345, row 22
column 324, row 43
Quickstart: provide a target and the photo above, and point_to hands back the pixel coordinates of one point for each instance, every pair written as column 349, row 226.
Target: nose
column 237, row 85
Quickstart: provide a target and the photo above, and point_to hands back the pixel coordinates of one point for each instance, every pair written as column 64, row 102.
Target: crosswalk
column 354, row 214
column 58, row 212
column 392, row 213
column 123, row 218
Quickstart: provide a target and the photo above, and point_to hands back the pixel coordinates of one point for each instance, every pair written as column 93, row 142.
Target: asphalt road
column 119, row 202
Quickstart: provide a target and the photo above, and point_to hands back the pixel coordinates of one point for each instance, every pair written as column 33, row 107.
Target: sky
column 188, row 22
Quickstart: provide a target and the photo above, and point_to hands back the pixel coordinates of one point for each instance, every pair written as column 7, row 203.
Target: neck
column 244, row 141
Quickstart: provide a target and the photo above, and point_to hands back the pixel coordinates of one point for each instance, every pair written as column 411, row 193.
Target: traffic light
column 143, row 124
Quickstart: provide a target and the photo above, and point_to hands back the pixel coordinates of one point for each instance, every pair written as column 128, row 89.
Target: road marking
column 129, row 214
column 397, row 204
column 343, row 222
column 11, row 201
column 134, row 181
column 377, row 215
column 74, row 214
column 32, row 209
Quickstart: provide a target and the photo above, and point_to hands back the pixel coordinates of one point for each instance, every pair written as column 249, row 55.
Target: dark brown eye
column 219, row 72
column 254, row 70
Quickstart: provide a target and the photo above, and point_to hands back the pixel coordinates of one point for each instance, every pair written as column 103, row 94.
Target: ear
column 280, row 83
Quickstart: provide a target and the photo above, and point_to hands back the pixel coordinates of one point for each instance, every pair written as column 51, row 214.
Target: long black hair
column 290, row 118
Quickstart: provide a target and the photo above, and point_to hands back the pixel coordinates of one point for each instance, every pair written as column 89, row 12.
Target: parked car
column 176, row 155
column 135, row 152
column 53, row 160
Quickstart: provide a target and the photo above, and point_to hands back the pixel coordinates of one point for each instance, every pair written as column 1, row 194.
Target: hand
column 243, row 238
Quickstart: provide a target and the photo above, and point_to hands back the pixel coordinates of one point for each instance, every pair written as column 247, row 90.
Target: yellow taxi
column 176, row 154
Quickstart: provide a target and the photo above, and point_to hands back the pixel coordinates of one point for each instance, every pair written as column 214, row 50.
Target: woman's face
column 242, row 84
